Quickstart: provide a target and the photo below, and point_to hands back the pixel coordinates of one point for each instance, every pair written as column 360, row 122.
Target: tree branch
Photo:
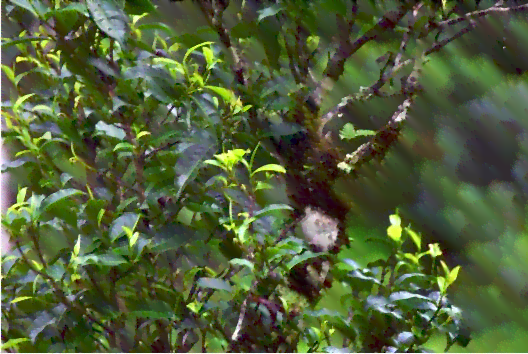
column 472, row 16
column 388, row 74
column 346, row 49
column 378, row 146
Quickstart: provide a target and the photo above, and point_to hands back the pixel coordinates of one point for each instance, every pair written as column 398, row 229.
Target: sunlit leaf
column 21, row 298
column 192, row 49
column 453, row 275
column 13, row 342
column 394, row 232
column 434, row 250
column 124, row 146
column 20, row 101
column 441, row 284
column 270, row 168
column 209, row 56
column 227, row 95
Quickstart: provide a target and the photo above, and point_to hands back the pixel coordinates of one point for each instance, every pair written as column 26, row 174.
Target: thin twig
column 346, row 49
column 161, row 148
column 471, row 16
column 234, row 337
column 435, row 48
column 476, row 14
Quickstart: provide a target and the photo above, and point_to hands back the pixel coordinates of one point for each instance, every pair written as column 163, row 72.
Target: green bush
column 142, row 222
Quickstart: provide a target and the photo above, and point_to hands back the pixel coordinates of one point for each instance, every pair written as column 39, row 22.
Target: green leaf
column 21, row 298
column 395, row 220
column 241, row 231
column 463, row 338
column 77, row 247
column 142, row 134
column 394, row 232
column 214, row 163
column 139, row 7
column 109, row 18
column 21, row 195
column 447, row 5
column 349, row 132
column 445, row 267
column 12, row 343
column 363, row 132
column 34, row 6
column 20, row 101
column 410, row 278
column 189, row 163
column 8, row 72
column 214, row 283
column 110, row 130
column 271, row 209
column 434, row 250
column 133, row 239
column 161, row 84
column 263, row 185
column 269, row 167
column 109, row 259
column 11, row 165
column 453, row 275
column 303, row 257
column 268, row 36
column 171, row 63
column 157, row 26
column 405, row 295
column 164, row 138
column 441, row 284
column 100, row 215
column 417, row 239
column 197, row 78
column 127, row 219
column 77, row 7
column 357, row 274
column 59, row 197
column 67, row 17
column 242, row 262
column 269, row 11
column 312, row 43
column 412, row 257
column 209, row 56
column 38, row 325
column 227, row 95
column 124, row 146
column 42, row 108
column 192, row 49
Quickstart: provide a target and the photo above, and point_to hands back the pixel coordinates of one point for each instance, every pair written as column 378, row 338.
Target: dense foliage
column 151, row 213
